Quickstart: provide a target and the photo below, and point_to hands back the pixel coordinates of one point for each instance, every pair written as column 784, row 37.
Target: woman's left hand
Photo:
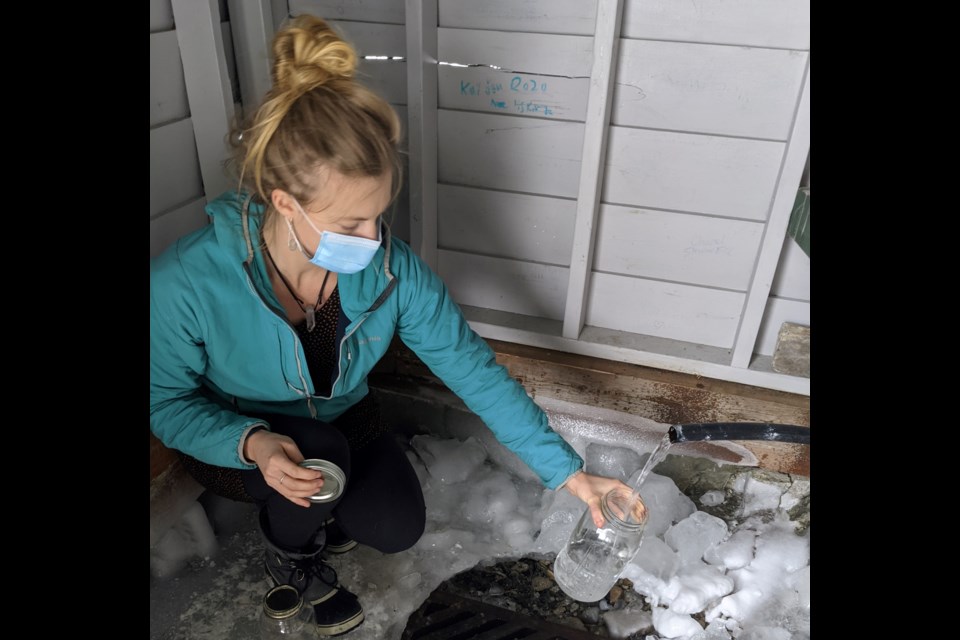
column 591, row 489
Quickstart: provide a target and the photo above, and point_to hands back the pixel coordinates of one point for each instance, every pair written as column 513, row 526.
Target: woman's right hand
column 278, row 459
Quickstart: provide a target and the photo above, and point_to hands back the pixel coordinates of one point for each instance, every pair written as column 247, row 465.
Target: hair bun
column 308, row 53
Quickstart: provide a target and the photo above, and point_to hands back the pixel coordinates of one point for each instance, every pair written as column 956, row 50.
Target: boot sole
column 341, row 548
column 341, row 627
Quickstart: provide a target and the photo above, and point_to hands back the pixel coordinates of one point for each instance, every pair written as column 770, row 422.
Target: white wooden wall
column 612, row 178
column 180, row 182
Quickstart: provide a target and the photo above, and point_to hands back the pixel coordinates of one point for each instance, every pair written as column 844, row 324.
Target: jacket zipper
column 296, row 338
column 366, row 314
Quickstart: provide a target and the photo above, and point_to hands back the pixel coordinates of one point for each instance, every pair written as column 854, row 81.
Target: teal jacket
column 221, row 346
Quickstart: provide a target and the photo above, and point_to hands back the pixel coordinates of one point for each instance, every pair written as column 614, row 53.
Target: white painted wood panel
column 509, row 152
column 161, row 15
column 506, row 285
column 758, row 23
column 519, row 87
column 387, row 77
column 692, row 173
column 735, row 91
column 701, row 250
column 546, row 16
column 793, row 273
column 778, row 311
column 365, row 10
column 662, row 309
column 176, row 224
column 371, row 39
column 174, row 166
column 493, row 91
column 168, row 94
column 506, row 225
column 522, row 52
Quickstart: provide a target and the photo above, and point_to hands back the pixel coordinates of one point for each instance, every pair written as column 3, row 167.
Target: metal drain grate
column 445, row 616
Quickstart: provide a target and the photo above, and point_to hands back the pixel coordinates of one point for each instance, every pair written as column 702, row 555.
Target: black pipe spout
column 739, row 431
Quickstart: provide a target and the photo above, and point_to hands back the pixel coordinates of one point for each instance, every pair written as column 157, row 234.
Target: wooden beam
column 253, row 29
column 208, row 86
column 606, row 41
column 795, row 157
column 422, row 126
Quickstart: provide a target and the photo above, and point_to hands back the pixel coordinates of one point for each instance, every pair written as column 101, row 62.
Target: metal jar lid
column 334, row 480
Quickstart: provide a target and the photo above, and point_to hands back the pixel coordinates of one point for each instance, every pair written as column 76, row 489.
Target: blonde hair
column 315, row 115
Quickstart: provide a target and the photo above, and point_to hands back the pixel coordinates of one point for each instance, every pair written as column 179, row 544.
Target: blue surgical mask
column 338, row 252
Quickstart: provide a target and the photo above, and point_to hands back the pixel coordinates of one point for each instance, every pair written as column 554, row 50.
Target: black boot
column 337, row 610
column 337, row 541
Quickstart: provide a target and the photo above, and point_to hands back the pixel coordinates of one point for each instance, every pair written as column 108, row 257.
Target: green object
column 799, row 226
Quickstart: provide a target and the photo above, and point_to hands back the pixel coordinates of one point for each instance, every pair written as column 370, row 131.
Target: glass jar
column 594, row 557
column 285, row 617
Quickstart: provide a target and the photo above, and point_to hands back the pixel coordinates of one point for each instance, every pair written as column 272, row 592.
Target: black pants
column 382, row 506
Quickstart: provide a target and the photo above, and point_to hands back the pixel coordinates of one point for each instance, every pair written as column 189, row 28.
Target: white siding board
column 493, row 91
column 758, row 23
column 386, row 77
column 777, row 312
column 161, row 15
column 507, row 225
column 373, row 39
column 692, row 173
column 793, row 273
column 392, row 11
column 509, row 152
column 174, row 166
column 733, row 91
column 519, row 87
column 700, row 250
column 176, row 224
column 546, row 16
column 168, row 94
column 505, row 285
column 522, row 52
column 665, row 310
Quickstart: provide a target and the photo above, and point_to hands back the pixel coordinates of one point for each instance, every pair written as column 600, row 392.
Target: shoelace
column 311, row 567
